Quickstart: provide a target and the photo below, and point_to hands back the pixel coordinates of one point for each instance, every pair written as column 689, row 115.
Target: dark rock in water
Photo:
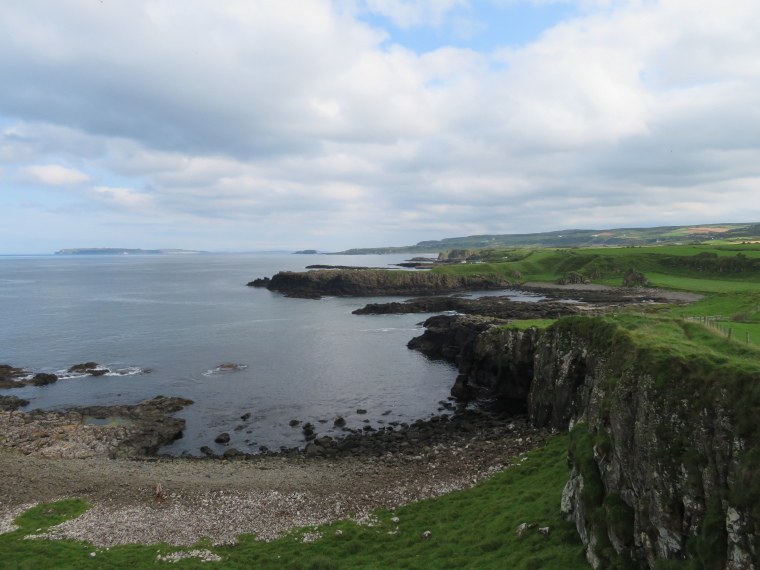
column 387, row 413
column 84, row 367
column 43, row 379
column 98, row 371
column 8, row 403
column 294, row 423
column 232, row 452
column 206, row 450
column 230, row 367
column 361, row 411
column 259, row 282
column 245, row 416
column 340, row 422
column 9, row 376
column 222, row 438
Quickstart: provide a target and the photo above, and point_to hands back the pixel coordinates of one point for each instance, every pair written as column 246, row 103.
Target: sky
column 241, row 125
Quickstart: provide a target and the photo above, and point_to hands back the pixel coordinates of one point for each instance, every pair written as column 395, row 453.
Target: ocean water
column 181, row 317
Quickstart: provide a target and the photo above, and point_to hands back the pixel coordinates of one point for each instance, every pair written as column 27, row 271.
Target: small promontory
column 362, row 283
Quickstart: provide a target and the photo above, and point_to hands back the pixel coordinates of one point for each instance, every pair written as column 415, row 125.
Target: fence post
column 747, row 336
column 730, row 330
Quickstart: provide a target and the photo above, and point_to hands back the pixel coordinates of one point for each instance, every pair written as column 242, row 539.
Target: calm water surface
column 183, row 316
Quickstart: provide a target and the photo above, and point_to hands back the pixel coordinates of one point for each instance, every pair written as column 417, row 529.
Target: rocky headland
column 663, row 456
column 365, row 283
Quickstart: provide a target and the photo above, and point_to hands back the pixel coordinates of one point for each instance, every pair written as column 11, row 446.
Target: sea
column 165, row 325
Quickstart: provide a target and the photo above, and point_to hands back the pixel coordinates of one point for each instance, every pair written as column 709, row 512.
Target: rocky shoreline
column 265, row 494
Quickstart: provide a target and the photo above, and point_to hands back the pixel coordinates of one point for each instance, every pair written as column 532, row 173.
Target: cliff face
column 313, row 284
column 664, row 462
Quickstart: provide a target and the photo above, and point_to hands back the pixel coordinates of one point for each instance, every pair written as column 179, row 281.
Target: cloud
column 298, row 114
column 408, row 13
column 52, row 175
column 123, row 199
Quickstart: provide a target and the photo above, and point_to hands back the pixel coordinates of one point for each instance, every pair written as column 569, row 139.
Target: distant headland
column 125, row 251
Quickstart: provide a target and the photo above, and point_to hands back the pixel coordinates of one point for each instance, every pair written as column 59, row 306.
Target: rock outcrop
column 112, row 431
column 634, row 279
column 360, row 283
column 499, row 307
column 8, row 403
column 664, row 448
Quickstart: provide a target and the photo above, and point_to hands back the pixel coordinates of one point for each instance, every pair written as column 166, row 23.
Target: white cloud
column 52, row 175
column 123, row 199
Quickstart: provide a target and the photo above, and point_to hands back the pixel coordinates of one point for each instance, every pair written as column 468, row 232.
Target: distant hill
column 124, row 251
column 583, row 238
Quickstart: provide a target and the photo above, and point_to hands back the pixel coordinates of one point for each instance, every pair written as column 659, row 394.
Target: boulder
column 634, row 279
column 223, row 438
column 42, row 379
column 84, row 367
column 572, row 278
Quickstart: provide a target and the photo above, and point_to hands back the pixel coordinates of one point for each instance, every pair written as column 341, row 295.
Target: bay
column 182, row 316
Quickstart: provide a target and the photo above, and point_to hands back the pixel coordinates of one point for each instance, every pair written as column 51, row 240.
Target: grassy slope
column 473, row 528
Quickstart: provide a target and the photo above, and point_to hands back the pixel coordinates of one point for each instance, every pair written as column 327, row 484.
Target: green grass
column 473, row 528
column 530, row 323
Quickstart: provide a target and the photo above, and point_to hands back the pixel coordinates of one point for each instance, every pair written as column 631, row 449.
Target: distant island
column 125, row 251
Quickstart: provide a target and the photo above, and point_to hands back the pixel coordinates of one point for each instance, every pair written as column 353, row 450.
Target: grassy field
column 473, row 528
column 728, row 275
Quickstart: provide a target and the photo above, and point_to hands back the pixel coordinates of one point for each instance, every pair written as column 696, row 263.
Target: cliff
column 314, row 284
column 665, row 448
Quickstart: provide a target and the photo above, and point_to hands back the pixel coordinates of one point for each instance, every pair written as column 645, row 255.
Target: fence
column 715, row 322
